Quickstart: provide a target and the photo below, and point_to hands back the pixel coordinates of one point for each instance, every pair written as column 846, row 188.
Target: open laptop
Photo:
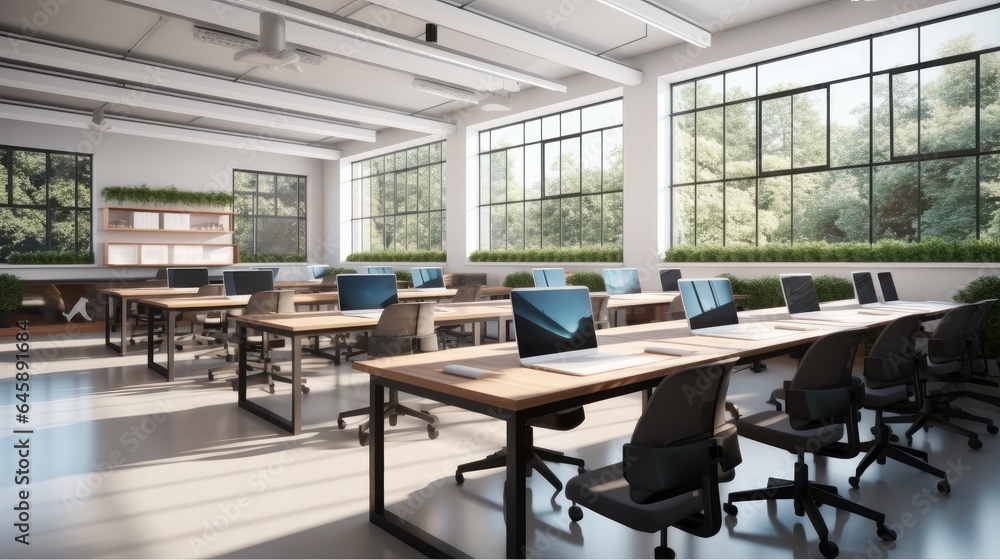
column 380, row 270
column 622, row 283
column 427, row 278
column 555, row 332
column 274, row 270
column 864, row 290
column 802, row 302
column 891, row 298
column 241, row 284
column 194, row 277
column 711, row 311
column 318, row 270
column 669, row 278
column 365, row 295
column 548, row 277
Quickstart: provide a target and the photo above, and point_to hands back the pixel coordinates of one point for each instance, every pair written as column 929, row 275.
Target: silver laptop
column 555, row 332
column 802, row 302
column 365, row 295
column 548, row 277
column 891, row 298
column 864, row 291
column 427, row 278
column 623, row 283
column 711, row 311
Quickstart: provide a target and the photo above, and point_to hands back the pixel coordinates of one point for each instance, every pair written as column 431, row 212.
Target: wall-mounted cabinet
column 122, row 218
column 168, row 237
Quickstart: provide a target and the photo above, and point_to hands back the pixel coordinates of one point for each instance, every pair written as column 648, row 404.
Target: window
column 45, row 204
column 398, row 201
column 888, row 137
column 270, row 213
column 553, row 182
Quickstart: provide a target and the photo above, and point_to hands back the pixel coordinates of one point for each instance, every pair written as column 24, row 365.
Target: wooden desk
column 123, row 297
column 297, row 326
column 516, row 395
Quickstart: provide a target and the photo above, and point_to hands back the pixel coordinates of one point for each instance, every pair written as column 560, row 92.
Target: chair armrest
column 659, row 473
column 811, row 408
column 953, row 347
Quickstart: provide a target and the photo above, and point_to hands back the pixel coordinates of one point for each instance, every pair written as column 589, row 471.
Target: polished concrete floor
column 124, row 465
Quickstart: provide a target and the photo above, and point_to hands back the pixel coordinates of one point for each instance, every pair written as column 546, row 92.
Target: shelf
column 169, row 254
column 173, row 220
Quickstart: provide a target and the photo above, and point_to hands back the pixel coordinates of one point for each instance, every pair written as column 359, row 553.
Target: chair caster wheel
column 211, row 376
column 581, row 470
column 730, row 509
column 363, row 437
column 943, row 487
column 885, row 533
column 459, row 477
column 828, row 549
column 432, row 432
column 305, row 390
column 854, row 481
column 575, row 513
column 341, row 423
column 392, row 420
column 664, row 552
column 976, row 444
column 880, row 460
column 992, row 429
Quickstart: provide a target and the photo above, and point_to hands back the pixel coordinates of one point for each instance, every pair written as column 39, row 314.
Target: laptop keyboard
column 595, row 363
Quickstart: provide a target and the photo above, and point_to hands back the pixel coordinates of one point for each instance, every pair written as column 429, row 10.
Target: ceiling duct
column 271, row 52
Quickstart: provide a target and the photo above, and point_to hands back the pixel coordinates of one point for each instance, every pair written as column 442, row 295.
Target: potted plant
column 11, row 295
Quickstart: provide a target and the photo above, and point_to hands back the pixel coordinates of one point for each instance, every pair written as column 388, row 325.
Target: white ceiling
column 139, row 60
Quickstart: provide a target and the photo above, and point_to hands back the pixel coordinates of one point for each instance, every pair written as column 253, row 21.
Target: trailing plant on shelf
column 146, row 196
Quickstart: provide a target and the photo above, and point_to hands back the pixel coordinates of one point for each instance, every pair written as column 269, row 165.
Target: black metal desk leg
column 515, row 494
column 296, row 385
column 376, row 453
column 241, row 335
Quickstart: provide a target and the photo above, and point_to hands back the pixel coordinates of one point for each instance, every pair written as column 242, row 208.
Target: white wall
column 121, row 160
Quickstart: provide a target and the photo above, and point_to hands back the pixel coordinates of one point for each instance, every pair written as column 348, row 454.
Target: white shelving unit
column 164, row 250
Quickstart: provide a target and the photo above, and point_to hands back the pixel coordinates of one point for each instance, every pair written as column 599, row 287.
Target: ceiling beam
column 164, row 132
column 130, row 97
column 153, row 77
column 512, row 37
column 350, row 39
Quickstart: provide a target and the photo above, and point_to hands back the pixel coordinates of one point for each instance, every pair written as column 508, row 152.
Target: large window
column 894, row 136
column 553, row 182
column 270, row 213
column 398, row 201
column 45, row 201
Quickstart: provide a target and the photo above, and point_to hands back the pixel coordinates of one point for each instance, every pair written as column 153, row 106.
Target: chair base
column 883, row 448
column 393, row 410
column 536, row 461
column 807, row 496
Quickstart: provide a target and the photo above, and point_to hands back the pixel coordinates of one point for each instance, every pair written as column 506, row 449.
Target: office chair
column 891, row 372
column 949, row 357
column 204, row 321
column 681, row 448
column 270, row 373
column 599, row 309
column 463, row 294
column 821, row 404
column 401, row 329
column 675, row 310
column 260, row 303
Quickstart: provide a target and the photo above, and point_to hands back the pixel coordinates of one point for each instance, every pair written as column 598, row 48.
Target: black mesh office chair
column 891, row 372
column 402, row 329
column 821, row 404
column 681, row 448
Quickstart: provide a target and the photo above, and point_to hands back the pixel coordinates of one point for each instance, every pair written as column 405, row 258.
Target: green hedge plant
column 336, row 271
column 271, row 258
column 594, row 281
column 985, row 287
column 519, row 279
column 585, row 254
column 765, row 291
column 11, row 293
column 171, row 195
column 50, row 257
column 928, row 250
column 398, row 256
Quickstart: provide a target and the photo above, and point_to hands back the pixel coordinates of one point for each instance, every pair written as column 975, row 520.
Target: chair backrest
column 263, row 303
column 466, row 293
column 400, row 326
column 599, row 309
column 212, row 290
column 676, row 309
column 687, row 407
column 822, row 393
column 891, row 361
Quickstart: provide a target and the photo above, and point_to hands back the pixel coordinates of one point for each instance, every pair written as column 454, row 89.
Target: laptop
column 711, row 311
column 318, row 270
column 274, row 270
column 380, row 270
column 548, row 277
column 669, row 278
column 802, row 302
column 890, row 297
column 864, row 291
column 187, row 277
column 427, row 278
column 622, row 283
column 365, row 295
column 241, row 284
column 555, row 332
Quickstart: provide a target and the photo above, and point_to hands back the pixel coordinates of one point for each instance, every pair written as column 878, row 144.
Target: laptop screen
column 247, row 282
column 380, row 270
column 317, row 270
column 799, row 292
column 669, row 278
column 864, row 287
column 621, row 281
column 186, row 277
column 366, row 291
column 430, row 277
column 548, row 277
column 708, row 302
column 552, row 320
column 274, row 271
column 888, row 286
